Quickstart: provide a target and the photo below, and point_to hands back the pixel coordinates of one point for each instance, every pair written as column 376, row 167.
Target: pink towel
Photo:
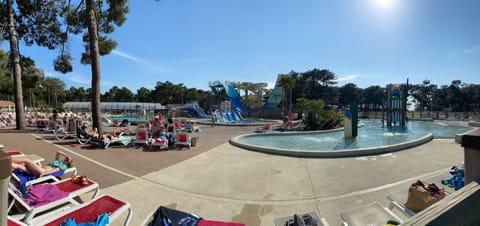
column 43, row 194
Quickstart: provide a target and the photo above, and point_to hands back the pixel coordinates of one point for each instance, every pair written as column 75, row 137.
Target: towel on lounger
column 25, row 177
column 101, row 220
column 42, row 194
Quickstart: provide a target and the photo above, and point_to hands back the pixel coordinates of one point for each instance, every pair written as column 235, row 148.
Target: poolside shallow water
column 371, row 135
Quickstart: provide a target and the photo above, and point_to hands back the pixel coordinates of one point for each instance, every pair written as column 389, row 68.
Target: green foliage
column 320, row 119
column 109, row 14
column 63, row 64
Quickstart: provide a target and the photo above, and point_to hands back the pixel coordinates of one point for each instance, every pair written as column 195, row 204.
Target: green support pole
column 354, row 111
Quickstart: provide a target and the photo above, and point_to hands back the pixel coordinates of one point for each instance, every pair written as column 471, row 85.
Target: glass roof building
column 114, row 106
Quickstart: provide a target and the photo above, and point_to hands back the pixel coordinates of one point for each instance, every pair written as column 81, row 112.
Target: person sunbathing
column 32, row 168
column 112, row 136
column 87, row 133
column 157, row 127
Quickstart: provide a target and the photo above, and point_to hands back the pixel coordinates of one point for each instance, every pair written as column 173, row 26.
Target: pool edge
column 331, row 154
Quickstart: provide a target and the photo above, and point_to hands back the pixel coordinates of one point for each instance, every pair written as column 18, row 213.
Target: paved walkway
column 219, row 181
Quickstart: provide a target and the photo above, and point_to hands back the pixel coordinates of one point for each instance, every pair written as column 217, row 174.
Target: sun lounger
column 124, row 140
column 14, row 222
column 161, row 142
column 141, row 136
column 399, row 198
column 88, row 212
column 25, row 179
column 263, row 129
column 67, row 186
column 371, row 214
column 81, row 137
column 314, row 216
column 183, row 140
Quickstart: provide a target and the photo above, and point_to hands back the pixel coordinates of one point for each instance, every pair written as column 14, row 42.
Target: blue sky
column 366, row 42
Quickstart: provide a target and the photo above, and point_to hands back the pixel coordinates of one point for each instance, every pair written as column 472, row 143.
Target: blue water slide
column 238, row 116
column 200, row 113
column 229, row 116
column 234, row 98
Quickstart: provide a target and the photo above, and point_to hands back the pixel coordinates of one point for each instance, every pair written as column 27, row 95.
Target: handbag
column 421, row 196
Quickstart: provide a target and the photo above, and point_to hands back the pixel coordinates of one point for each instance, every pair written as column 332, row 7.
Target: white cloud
column 127, row 56
column 77, row 78
column 472, row 49
column 153, row 67
column 80, row 79
column 346, row 78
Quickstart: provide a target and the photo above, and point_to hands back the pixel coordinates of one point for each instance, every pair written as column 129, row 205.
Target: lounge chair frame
column 55, row 217
column 31, row 212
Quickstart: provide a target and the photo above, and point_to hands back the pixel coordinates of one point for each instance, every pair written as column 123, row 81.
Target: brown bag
column 420, row 196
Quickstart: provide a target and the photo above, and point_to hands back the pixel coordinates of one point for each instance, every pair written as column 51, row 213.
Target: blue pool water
column 371, row 134
column 130, row 118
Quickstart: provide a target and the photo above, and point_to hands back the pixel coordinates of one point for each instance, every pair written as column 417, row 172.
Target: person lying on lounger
column 87, row 133
column 112, row 136
column 32, row 168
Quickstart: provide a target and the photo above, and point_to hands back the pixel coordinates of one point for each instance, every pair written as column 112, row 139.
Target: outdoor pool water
column 371, row 135
column 130, row 118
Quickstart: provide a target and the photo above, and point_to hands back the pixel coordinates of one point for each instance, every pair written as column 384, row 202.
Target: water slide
column 273, row 101
column 234, row 98
column 193, row 110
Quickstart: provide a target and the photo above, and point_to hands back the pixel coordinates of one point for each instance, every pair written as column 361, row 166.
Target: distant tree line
column 319, row 84
column 315, row 84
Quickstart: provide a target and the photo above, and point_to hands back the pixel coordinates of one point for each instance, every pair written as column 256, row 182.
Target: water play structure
column 230, row 111
column 396, row 105
column 351, row 122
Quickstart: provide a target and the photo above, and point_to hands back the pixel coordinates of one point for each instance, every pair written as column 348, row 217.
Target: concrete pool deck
column 219, row 181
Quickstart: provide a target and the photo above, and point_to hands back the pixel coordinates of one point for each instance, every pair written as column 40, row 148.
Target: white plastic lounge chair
column 70, row 171
column 371, row 214
column 61, row 133
column 83, row 138
column 66, row 185
column 161, row 142
column 263, row 129
column 399, row 198
column 87, row 212
column 124, row 140
column 14, row 222
column 141, row 136
column 183, row 140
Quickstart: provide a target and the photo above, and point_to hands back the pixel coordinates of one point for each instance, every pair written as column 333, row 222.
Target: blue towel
column 101, row 220
column 24, row 178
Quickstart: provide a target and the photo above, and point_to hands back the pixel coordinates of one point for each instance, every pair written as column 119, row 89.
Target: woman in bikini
column 32, row 168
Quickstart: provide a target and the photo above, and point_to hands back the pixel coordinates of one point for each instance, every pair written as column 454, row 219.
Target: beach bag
column 421, row 196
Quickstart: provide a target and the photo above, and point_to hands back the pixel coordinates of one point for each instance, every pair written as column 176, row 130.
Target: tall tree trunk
column 17, row 70
column 95, row 64
column 290, row 102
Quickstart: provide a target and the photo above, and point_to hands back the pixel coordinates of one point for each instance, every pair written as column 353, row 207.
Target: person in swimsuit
column 32, row 168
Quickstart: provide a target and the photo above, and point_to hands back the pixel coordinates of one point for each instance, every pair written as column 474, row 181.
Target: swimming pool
column 130, row 118
column 373, row 138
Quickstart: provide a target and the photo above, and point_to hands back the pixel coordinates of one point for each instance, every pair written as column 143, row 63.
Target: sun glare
column 384, row 4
